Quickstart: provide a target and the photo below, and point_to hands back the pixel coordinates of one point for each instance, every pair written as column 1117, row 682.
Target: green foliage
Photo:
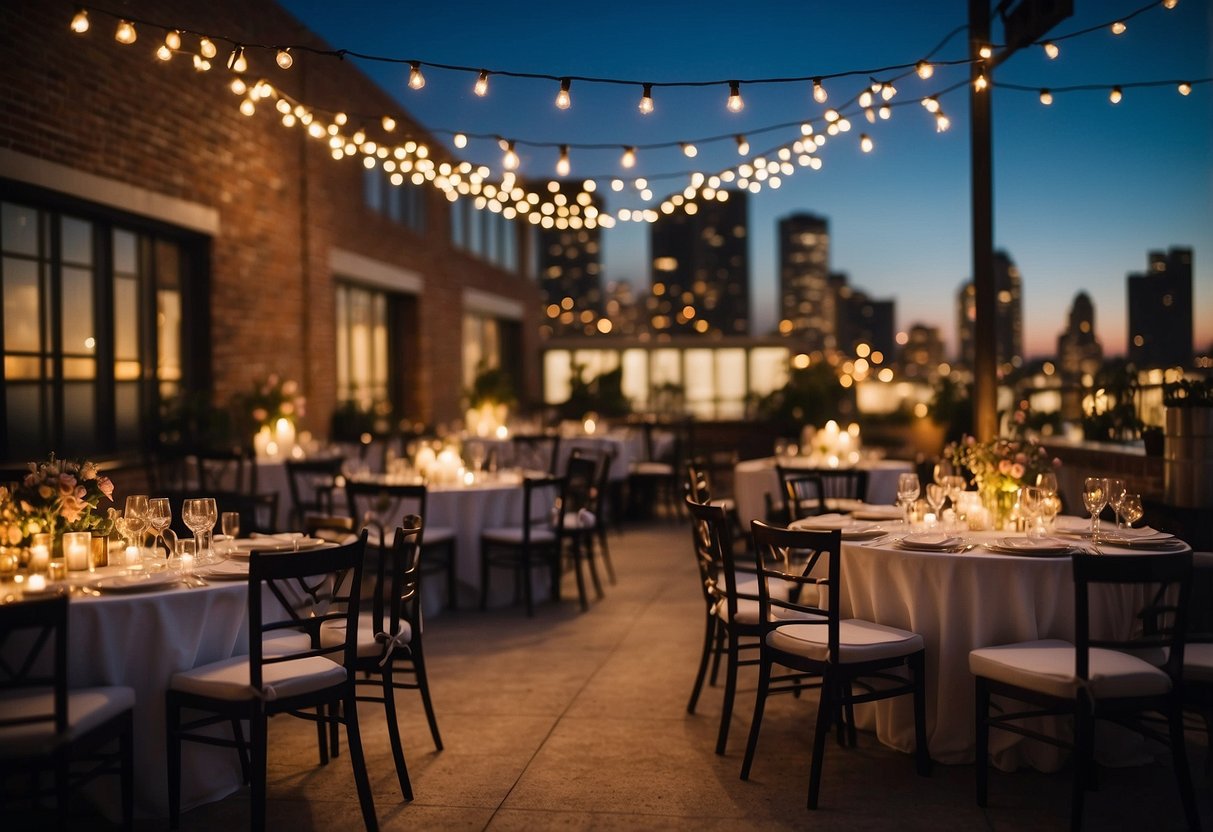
column 492, row 385
column 811, row 396
column 952, row 408
column 602, row 395
column 189, row 421
column 1117, row 421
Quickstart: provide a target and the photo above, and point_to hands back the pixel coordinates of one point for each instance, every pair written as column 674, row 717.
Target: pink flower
column 1056, row 462
column 106, row 487
column 1017, row 471
column 1020, row 416
column 71, row 508
column 88, row 472
column 1004, row 466
column 67, row 484
column 1021, row 458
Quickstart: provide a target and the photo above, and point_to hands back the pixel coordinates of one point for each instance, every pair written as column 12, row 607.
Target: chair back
column 1161, row 620
column 536, row 452
column 232, row 470
column 712, row 542
column 537, row 505
column 803, row 492
column 311, row 481
column 339, row 568
column 398, row 580
column 577, row 492
column 29, row 630
column 331, row 527
column 696, row 483
column 602, row 461
column 791, row 556
column 381, row 506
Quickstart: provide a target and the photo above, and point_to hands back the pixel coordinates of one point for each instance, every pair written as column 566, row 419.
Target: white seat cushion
column 87, row 708
column 332, row 633
column 726, row 504
column 1198, row 662
column 747, row 608
column 858, row 641
column 513, row 535
column 229, row 679
column 1047, row 666
column 282, row 642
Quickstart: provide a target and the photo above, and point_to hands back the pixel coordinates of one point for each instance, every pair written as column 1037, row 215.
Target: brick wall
column 283, row 202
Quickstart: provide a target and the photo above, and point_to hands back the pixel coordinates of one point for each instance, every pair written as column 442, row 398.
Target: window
column 362, row 346
column 92, row 330
column 485, row 234
column 403, row 203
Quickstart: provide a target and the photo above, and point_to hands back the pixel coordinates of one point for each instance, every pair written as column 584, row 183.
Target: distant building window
column 403, row 203
column 485, row 234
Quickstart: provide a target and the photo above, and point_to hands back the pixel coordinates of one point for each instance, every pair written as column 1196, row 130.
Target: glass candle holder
column 77, row 550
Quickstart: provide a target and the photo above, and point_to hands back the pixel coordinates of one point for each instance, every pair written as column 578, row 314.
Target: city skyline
column 1083, row 189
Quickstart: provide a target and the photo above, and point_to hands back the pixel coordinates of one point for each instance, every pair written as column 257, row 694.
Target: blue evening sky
column 1083, row 189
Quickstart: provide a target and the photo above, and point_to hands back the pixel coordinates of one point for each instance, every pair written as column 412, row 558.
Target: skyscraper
column 1160, row 311
column 806, row 300
column 1008, row 315
column 922, row 353
column 570, row 263
column 861, row 319
column 1078, row 354
column 700, row 270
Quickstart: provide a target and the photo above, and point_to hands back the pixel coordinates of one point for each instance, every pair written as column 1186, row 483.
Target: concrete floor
column 578, row 721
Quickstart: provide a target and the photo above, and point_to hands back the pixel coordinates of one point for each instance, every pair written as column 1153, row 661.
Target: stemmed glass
column 1031, row 504
column 907, row 492
column 1094, row 498
column 1116, row 494
column 229, row 522
column 1130, row 507
column 943, row 470
column 160, row 517
column 136, row 518
column 193, row 514
column 936, row 494
column 211, row 512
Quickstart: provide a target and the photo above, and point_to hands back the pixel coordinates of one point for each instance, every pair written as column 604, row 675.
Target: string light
column 865, row 98
column 461, row 141
column 1170, row 4
column 481, row 88
column 201, row 64
column 80, row 22
column 629, row 157
column 743, row 147
column 172, row 39
column 646, row 99
column 942, row 122
column 563, row 100
column 562, row 164
column 888, row 91
column 416, row 79
column 125, row 33
column 1118, row 28
column 236, row 61
column 238, row 86
column 819, row 91
column 247, row 107
column 1184, row 87
column 831, row 115
column 284, row 58
column 735, row 104
column 924, row 70
column 207, row 49
column 389, row 124
column 510, row 160
column 689, row 150
column 931, row 103
column 164, row 53
column 1052, row 50
column 886, row 112
column 1046, row 97
column 1115, row 95
column 981, row 83
column 865, row 143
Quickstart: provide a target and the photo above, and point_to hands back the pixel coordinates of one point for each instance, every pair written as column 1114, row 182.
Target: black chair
column 230, row 476
column 311, row 483
column 533, row 544
column 577, row 524
column 1098, row 678
column 293, row 676
column 600, row 506
column 389, row 640
column 1198, row 651
column 846, row 653
column 75, row 734
column 656, row 480
column 380, row 505
column 817, row 489
column 536, row 453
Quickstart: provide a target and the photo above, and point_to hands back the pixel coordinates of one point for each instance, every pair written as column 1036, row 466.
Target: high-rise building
column 1078, row 350
column 1008, row 315
column 922, row 352
column 806, row 299
column 700, row 279
column 569, row 263
column 863, row 320
column 1160, row 311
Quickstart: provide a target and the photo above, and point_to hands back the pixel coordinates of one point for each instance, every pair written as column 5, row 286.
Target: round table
column 753, row 479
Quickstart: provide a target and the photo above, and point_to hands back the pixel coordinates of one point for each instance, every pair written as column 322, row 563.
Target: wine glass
column 1131, row 508
column 159, row 516
column 229, row 522
column 1094, row 498
column 936, row 494
column 193, row 514
column 1116, row 493
column 211, row 512
column 1031, row 505
column 136, row 518
column 943, row 470
column 907, row 492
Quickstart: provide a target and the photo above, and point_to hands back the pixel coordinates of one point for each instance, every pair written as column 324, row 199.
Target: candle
column 134, row 558
column 56, row 570
column 503, row 432
column 36, row 583
column 76, row 546
column 261, row 442
column 187, row 563
column 284, row 432
column 590, row 426
column 39, row 557
column 469, row 478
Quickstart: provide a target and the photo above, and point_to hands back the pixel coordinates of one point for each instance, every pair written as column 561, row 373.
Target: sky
column 1083, row 189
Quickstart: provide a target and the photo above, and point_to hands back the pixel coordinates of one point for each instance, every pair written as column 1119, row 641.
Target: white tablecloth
column 755, row 478
column 957, row 603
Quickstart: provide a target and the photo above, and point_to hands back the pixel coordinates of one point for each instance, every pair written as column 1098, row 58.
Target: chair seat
column 747, row 608
column 651, row 469
column 332, row 633
column 512, row 535
column 858, row 641
column 229, row 679
column 1198, row 662
column 1047, row 666
column 283, row 642
column 87, row 708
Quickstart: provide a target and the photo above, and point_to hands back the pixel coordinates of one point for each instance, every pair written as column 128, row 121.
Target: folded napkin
column 823, row 522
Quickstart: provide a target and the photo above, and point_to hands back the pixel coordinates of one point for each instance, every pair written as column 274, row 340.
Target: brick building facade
column 267, row 222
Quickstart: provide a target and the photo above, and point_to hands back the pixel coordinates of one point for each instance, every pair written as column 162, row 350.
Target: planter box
column 1188, row 457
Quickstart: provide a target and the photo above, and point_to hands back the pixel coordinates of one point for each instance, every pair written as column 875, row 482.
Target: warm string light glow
column 80, row 22
column 646, row 99
column 743, row 147
column 1051, row 49
column 563, row 100
column 819, row 91
column 125, row 33
column 735, row 104
column 284, row 58
column 562, row 164
column 1115, row 95
column 481, row 87
column 416, row 78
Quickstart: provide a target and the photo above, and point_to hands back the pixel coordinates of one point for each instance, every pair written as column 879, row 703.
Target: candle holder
column 77, row 550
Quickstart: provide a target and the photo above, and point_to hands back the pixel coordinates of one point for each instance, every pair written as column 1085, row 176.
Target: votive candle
column 76, row 547
column 39, row 557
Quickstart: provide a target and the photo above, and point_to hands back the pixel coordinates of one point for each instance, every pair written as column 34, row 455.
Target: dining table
column 136, row 627
column 754, row 479
column 966, row 589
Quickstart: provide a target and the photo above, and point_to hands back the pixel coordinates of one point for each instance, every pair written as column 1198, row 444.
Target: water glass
column 1131, row 508
column 136, row 518
column 907, row 492
column 229, row 522
column 1116, row 493
column 159, row 517
column 1094, row 498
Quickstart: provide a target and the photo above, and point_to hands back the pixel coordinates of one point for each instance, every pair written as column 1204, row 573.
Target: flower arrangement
column 59, row 496
column 274, row 398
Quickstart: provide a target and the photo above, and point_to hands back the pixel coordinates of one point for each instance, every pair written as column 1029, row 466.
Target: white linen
column 754, row 478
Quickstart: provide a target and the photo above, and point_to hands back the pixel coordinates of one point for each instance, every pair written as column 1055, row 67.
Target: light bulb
column 461, row 141
column 510, row 160
column 831, row 115
column 942, row 123
column 806, row 129
column 481, row 87
column 865, row 98
column 80, row 22
column 164, row 53
column 562, row 164
column 341, row 119
column 735, row 104
column 389, row 123
column 924, row 70
column 1184, row 87
column 416, row 79
column 870, row 115
column 844, row 124
column 819, row 92
column 1115, row 95
column 888, row 91
column 616, row 185
column 563, row 101
column 236, row 61
column 284, row 58
column 1052, row 50
column 931, row 103
column 206, row 48
column 125, row 33
column 283, row 106
column 201, row 64
column 1118, row 28
column 247, row 107
column 1170, row 4
column 172, row 39
column 985, row 52
column 885, row 112
column 239, row 87
column 1046, row 97
column 629, row 157
column 689, row 150
column 743, row 147
column 981, row 83
column 646, row 99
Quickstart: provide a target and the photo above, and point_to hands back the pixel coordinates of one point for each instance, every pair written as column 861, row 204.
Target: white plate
column 1041, row 546
column 137, row 582
column 228, row 570
column 930, row 541
column 274, row 544
column 869, row 511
